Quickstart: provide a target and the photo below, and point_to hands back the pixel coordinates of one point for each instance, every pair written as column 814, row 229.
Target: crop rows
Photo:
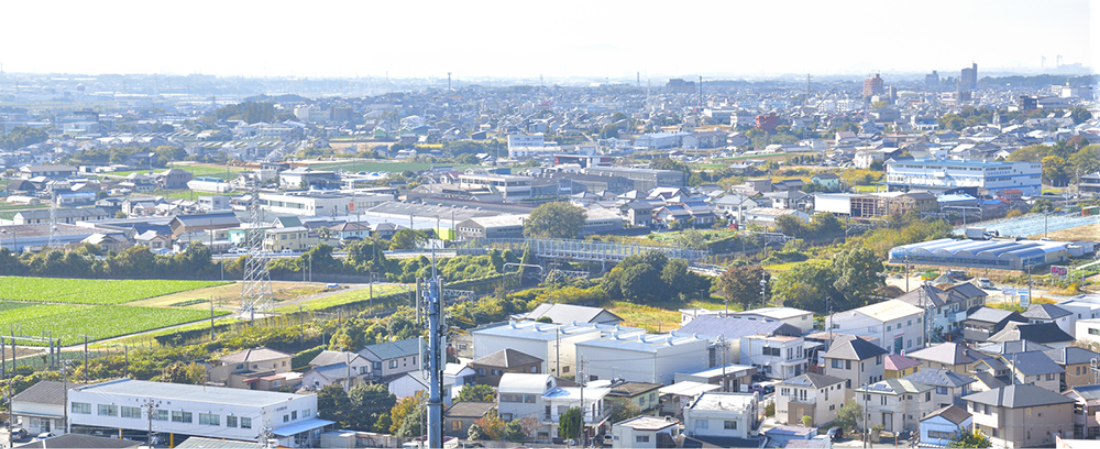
column 71, row 322
column 91, row 291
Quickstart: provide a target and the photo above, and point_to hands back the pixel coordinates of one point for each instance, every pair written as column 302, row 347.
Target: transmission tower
column 256, row 289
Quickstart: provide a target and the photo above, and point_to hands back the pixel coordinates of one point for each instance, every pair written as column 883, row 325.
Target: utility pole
column 722, row 344
column 584, row 409
column 434, row 304
column 866, row 433
column 85, row 359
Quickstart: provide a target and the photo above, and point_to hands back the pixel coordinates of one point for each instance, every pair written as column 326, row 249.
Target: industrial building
column 874, row 204
column 316, row 203
column 180, row 410
column 973, row 177
column 998, row 254
column 644, row 179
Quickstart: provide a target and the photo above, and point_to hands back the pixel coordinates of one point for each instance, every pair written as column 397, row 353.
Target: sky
column 558, row 39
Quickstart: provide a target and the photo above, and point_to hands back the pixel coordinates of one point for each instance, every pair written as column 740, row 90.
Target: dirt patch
column 228, row 295
column 1087, row 232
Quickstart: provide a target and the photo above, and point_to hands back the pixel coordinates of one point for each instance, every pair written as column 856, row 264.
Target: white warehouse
column 195, row 410
column 553, row 343
column 643, row 357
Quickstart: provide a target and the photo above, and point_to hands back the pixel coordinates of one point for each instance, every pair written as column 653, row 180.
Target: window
column 160, row 415
column 305, row 413
column 131, row 412
column 1094, row 331
column 847, row 364
column 730, row 425
column 481, row 371
column 535, row 369
column 702, row 424
column 1050, row 376
column 181, row 416
column 927, row 396
column 456, row 425
column 878, row 360
column 377, row 365
column 246, row 423
column 995, row 433
column 108, row 410
column 889, row 328
column 209, row 419
column 832, row 407
column 883, row 401
column 294, row 414
column 837, row 363
column 941, row 435
column 393, row 363
column 230, row 421
column 82, row 408
column 641, row 439
column 286, row 418
column 941, row 390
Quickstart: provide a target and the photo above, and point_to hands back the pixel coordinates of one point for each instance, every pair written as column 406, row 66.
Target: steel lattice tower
column 53, row 219
column 256, row 289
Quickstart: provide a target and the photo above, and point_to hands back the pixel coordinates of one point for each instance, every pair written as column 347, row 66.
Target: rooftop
column 183, row 392
column 736, row 402
column 1018, row 396
column 651, row 423
column 507, row 358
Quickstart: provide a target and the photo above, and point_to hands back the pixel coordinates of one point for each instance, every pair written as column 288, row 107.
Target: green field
column 376, row 166
column 71, row 322
column 91, row 291
column 338, row 299
column 209, row 171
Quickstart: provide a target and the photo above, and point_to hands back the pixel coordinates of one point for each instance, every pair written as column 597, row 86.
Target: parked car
column 45, row 435
column 985, row 283
column 18, row 433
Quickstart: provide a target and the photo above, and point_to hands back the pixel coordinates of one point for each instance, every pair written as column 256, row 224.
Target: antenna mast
column 256, row 291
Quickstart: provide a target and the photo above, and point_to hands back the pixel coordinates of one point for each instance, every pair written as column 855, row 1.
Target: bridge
column 583, row 250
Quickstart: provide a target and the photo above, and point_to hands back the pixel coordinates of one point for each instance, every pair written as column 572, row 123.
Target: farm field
column 203, row 170
column 90, row 291
column 71, row 322
column 337, row 299
column 227, row 295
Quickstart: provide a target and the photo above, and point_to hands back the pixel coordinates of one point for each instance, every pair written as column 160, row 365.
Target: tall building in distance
column 932, row 80
column 679, row 86
column 873, row 86
column 968, row 78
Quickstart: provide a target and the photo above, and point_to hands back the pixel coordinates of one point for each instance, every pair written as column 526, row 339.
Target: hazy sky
column 473, row 39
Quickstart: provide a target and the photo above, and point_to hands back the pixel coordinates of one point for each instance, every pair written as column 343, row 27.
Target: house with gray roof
column 941, row 427
column 1088, row 401
column 1011, row 347
column 1050, row 313
column 1021, row 415
column 815, row 395
column 950, row 386
column 491, row 367
column 855, row 360
column 948, row 307
column 897, row 404
column 1077, row 362
column 1049, row 334
column 388, row 359
column 983, row 322
column 40, row 408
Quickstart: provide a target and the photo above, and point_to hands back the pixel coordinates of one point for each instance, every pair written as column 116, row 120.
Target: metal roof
column 1018, row 396
column 184, row 392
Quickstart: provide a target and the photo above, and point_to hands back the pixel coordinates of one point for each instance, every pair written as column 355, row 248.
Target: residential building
column 775, row 356
column 553, row 343
column 1022, row 415
column 521, row 396
column 392, row 358
column 1050, row 313
column 46, row 171
column 873, row 86
column 950, row 356
column 1077, row 362
column 645, row 432
column 730, row 415
column 642, row 357
column 332, row 367
column 243, row 369
column 643, row 395
column 458, row 418
column 735, row 378
column 188, row 224
column 856, row 361
column 946, row 308
column 950, row 386
column 559, row 400
column 173, row 179
column 67, row 216
column 898, row 366
column 196, row 410
column 815, row 395
column 973, row 177
column 896, row 325
column 1048, row 334
column 981, row 324
column 296, row 239
column 570, row 313
column 490, row 368
column 896, row 404
column 1085, row 421
column 40, row 408
column 941, row 427
column 1036, row 368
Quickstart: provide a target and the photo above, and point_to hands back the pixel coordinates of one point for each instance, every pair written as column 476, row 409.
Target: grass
column 91, row 291
column 781, row 266
column 339, row 299
column 71, row 323
column 149, row 338
column 866, row 189
column 652, row 319
column 1087, row 232
column 199, row 170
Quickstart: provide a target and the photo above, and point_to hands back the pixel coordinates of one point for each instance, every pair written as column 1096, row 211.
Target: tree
column 642, row 283
column 790, row 225
column 368, row 402
column 1080, row 115
column 475, row 432
column 1042, row 205
column 332, row 402
column 975, row 439
column 403, row 408
column 476, row 393
column 849, row 416
column 741, row 284
column 406, row 239
column 554, row 220
column 858, row 278
column 1054, row 169
column 490, row 426
column 570, row 424
column 623, row 410
column 807, row 421
column 806, row 286
column 181, row 373
column 513, row 431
